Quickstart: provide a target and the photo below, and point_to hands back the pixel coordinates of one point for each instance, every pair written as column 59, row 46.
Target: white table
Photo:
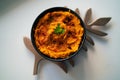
column 101, row 62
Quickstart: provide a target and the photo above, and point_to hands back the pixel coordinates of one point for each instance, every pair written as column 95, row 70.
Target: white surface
column 102, row 62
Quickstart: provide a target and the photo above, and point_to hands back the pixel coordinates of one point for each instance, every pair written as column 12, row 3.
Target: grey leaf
column 101, row 21
column 62, row 65
column 90, row 40
column 97, row 32
column 84, row 47
column 71, row 61
column 88, row 16
column 77, row 11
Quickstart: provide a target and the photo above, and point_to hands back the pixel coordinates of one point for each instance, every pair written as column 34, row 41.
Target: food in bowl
column 58, row 34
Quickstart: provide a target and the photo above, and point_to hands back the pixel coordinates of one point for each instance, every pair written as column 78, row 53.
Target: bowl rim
column 51, row 10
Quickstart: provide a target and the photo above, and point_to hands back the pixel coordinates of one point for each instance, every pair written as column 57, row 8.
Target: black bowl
column 35, row 25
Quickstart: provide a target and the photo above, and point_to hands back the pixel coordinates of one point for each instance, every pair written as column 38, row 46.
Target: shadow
column 40, row 67
column 79, row 58
column 78, row 71
column 50, row 69
column 108, row 26
column 8, row 5
column 102, row 40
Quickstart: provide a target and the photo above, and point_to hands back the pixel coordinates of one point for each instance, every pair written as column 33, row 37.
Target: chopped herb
column 59, row 30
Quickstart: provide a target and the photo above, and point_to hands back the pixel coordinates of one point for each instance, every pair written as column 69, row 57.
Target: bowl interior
column 35, row 25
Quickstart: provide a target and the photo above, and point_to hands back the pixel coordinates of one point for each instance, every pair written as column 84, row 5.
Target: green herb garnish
column 59, row 30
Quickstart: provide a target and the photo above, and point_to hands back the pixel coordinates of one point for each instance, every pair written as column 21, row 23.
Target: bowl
column 36, row 23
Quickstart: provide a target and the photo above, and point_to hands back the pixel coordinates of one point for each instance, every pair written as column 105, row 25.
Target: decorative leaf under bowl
column 90, row 40
column 88, row 16
column 97, row 32
column 100, row 21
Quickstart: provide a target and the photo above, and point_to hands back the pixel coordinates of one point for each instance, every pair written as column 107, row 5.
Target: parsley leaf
column 59, row 30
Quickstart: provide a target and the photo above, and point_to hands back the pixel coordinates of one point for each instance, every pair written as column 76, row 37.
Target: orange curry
column 58, row 34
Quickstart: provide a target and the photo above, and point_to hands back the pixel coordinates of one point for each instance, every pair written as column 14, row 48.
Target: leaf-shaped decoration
column 90, row 40
column 65, row 6
column 62, row 65
column 88, row 16
column 71, row 61
column 97, row 32
column 77, row 11
column 101, row 21
column 84, row 47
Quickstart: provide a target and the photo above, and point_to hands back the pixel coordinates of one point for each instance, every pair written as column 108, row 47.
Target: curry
column 58, row 34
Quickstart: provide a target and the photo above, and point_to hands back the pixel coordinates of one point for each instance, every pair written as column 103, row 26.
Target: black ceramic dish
column 35, row 25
